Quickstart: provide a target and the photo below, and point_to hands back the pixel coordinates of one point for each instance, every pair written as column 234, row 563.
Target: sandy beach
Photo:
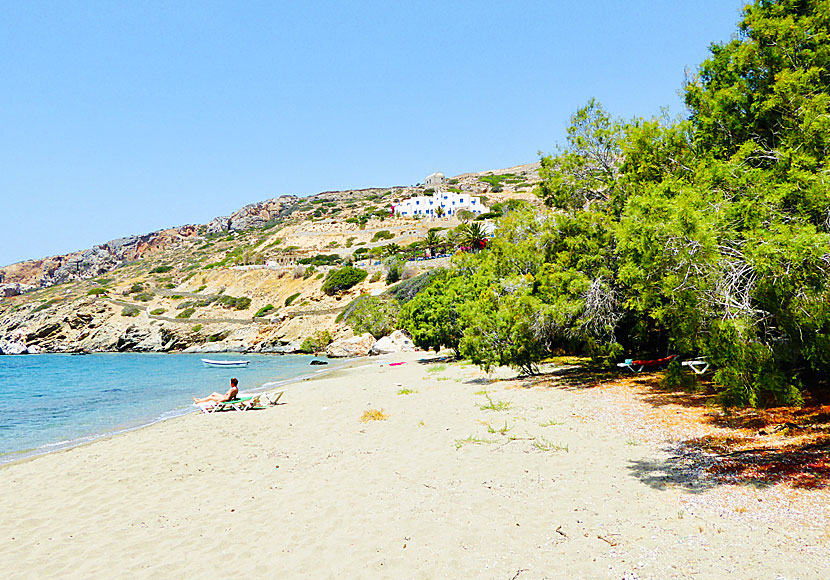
column 469, row 476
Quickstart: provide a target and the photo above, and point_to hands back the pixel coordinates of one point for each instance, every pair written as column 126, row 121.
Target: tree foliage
column 706, row 236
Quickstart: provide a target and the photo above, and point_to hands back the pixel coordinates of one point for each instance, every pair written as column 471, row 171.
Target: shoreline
column 173, row 414
column 468, row 475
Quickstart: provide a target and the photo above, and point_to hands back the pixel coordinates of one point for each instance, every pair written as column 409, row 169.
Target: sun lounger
column 272, row 398
column 636, row 366
column 243, row 404
column 699, row 366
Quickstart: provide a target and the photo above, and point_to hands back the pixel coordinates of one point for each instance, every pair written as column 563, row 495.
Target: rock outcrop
column 93, row 262
column 13, row 348
column 351, row 347
column 254, row 215
column 395, row 342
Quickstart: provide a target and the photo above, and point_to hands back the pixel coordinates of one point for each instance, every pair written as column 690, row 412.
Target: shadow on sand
column 753, row 447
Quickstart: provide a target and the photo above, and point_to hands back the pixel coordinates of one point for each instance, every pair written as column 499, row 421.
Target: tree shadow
column 443, row 359
column 693, row 466
column 569, row 377
column 752, row 447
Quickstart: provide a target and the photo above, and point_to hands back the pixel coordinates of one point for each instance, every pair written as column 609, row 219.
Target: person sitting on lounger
column 220, row 397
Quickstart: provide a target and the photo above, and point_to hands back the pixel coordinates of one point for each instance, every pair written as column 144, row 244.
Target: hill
column 199, row 287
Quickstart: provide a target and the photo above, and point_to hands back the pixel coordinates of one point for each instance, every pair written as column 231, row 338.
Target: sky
column 121, row 118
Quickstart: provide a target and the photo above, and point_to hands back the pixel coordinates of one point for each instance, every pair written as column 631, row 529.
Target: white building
column 451, row 202
column 437, row 179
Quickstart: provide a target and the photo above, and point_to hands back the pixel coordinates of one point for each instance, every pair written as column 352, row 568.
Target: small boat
column 225, row 363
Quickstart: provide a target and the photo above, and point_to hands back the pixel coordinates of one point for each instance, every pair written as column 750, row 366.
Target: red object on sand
column 396, row 364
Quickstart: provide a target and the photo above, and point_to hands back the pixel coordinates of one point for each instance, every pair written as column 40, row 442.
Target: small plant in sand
column 551, row 423
column 543, row 444
column 500, row 430
column 437, row 368
column 374, row 415
column 472, row 439
column 406, row 391
column 492, row 405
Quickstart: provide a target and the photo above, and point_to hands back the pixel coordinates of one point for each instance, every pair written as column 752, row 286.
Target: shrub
column 316, row 342
column 161, row 269
column 321, row 260
column 382, row 235
column 169, row 285
column 291, row 299
column 187, row 313
column 130, row 310
column 45, row 305
column 309, row 272
column 137, row 287
column 341, row 280
column 96, row 291
column 370, row 314
column 197, row 328
column 241, row 303
column 158, row 311
column 144, row 296
column 406, row 291
column 264, row 310
column 375, row 277
column 676, row 379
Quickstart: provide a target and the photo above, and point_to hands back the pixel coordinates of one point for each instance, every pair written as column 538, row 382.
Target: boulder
column 8, row 290
column 133, row 337
column 288, row 348
column 351, row 347
column 13, row 348
column 395, row 342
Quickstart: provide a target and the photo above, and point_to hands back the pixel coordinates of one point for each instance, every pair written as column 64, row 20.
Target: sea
column 53, row 401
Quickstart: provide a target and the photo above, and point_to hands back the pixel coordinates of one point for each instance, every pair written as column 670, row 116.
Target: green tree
column 432, row 242
column 586, row 171
column 473, row 236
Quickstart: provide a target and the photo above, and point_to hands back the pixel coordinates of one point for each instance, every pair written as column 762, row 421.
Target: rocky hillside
column 244, row 282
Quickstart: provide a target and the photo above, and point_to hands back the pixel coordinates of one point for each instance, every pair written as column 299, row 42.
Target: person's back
column 232, row 393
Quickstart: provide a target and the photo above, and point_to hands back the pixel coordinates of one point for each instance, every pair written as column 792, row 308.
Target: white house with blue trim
column 452, row 202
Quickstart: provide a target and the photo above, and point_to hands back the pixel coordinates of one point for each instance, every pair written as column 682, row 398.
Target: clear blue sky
column 121, row 118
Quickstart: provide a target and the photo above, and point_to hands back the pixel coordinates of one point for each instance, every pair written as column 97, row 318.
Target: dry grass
column 374, row 415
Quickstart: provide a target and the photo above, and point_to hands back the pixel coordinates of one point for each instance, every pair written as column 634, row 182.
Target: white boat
column 225, row 363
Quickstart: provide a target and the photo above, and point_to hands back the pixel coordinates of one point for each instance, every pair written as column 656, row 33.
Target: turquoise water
column 52, row 401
